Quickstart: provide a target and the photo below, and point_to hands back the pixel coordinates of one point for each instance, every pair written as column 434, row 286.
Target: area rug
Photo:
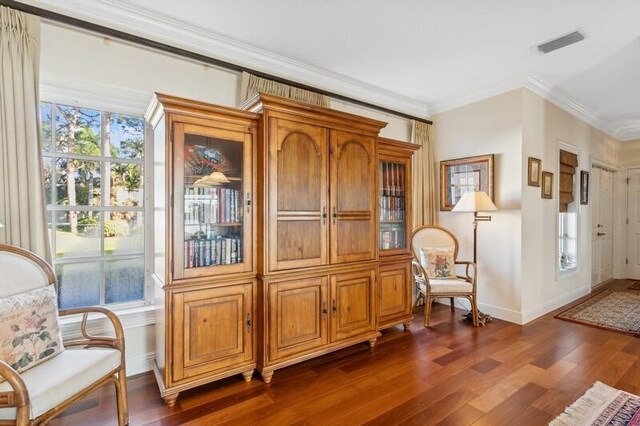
column 601, row 405
column 635, row 286
column 611, row 310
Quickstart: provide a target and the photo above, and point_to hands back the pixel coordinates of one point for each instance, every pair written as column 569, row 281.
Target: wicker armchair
column 429, row 289
column 36, row 395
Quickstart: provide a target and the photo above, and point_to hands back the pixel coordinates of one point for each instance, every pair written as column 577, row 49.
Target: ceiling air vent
column 560, row 42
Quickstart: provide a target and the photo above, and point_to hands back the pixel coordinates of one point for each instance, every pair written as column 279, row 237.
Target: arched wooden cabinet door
column 353, row 185
column 298, row 200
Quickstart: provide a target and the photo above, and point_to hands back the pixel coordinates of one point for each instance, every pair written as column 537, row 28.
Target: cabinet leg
column 247, row 375
column 372, row 342
column 406, row 325
column 266, row 375
column 170, row 400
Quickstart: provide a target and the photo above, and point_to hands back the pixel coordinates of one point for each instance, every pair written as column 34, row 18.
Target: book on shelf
column 212, row 205
column 214, row 251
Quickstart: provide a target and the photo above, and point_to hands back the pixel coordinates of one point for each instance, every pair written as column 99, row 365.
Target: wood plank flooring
column 448, row 374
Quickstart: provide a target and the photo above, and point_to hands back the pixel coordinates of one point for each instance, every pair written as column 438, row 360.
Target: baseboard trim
column 548, row 306
column 140, row 363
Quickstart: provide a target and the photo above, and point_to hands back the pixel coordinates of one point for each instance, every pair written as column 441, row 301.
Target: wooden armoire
column 317, row 208
column 267, row 236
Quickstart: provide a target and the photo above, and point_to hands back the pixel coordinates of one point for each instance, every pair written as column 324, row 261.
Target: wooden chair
column 36, row 395
column 429, row 289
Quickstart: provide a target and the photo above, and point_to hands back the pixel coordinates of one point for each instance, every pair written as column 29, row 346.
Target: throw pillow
column 438, row 262
column 29, row 329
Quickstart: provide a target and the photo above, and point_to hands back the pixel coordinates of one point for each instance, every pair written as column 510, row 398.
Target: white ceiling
column 416, row 56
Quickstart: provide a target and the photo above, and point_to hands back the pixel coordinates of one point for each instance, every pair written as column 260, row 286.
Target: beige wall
column 545, row 126
column 491, row 126
column 517, row 251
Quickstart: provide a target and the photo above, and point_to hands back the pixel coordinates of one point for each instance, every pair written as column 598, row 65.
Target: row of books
column 212, row 205
column 391, row 239
column 217, row 251
column 393, row 179
column 392, row 208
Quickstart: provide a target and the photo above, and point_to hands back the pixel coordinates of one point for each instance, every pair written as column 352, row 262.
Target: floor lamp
column 474, row 202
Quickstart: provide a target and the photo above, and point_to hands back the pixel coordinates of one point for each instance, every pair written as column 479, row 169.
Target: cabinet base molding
column 170, row 393
column 267, row 371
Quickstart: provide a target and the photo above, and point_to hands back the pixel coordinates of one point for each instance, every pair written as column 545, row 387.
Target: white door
column 602, row 225
column 633, row 229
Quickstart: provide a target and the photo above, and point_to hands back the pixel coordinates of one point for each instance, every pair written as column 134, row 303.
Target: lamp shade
column 473, row 201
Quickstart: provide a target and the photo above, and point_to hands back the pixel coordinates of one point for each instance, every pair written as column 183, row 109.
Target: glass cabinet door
column 393, row 206
column 212, row 201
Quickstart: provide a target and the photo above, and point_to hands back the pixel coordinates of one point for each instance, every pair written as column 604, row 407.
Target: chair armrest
column 468, row 263
column 19, row 396
column 89, row 340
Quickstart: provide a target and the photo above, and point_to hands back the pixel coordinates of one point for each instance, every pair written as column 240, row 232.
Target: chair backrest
column 21, row 270
column 432, row 236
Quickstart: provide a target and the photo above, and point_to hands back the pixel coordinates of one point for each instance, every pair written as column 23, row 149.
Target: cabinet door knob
column 324, row 310
column 249, row 322
column 248, row 202
column 324, row 215
column 334, row 308
column 334, row 215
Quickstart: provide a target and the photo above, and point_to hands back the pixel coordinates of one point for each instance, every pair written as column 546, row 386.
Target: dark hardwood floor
column 450, row 374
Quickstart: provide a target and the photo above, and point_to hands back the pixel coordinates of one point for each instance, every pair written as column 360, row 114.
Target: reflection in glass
column 78, row 284
column 213, row 206
column 77, row 234
column 124, row 280
column 123, row 233
column 392, row 215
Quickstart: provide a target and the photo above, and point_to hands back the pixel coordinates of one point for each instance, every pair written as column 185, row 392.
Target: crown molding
column 123, row 16
column 624, row 130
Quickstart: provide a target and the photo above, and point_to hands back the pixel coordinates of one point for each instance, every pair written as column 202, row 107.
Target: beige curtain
column 424, row 182
column 22, row 207
column 251, row 84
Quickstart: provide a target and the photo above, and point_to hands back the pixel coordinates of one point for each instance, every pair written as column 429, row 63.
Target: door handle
column 324, row 310
column 334, row 308
column 334, row 215
column 324, row 215
column 600, row 234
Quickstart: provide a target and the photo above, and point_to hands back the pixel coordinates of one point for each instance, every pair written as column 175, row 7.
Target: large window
column 93, row 177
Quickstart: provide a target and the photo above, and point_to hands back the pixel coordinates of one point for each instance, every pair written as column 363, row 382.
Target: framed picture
column 535, row 167
column 547, row 185
column 584, row 187
column 465, row 174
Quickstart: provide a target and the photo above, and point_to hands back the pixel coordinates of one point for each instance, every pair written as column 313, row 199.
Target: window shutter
column 568, row 164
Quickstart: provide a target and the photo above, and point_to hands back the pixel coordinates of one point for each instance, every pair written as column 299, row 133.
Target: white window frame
column 91, row 94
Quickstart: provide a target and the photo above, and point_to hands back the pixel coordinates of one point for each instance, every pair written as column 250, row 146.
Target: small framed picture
column 547, row 185
column 535, row 167
column 584, row 187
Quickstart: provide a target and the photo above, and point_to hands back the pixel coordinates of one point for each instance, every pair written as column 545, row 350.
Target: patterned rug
column 611, row 310
column 601, row 405
column 635, row 286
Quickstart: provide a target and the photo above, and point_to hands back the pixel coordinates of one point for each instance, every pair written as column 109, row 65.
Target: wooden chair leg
column 452, row 304
column 474, row 311
column 427, row 310
column 121, row 398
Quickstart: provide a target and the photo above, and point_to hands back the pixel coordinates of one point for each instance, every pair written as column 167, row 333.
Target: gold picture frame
column 547, row 185
column 534, row 171
column 464, row 174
